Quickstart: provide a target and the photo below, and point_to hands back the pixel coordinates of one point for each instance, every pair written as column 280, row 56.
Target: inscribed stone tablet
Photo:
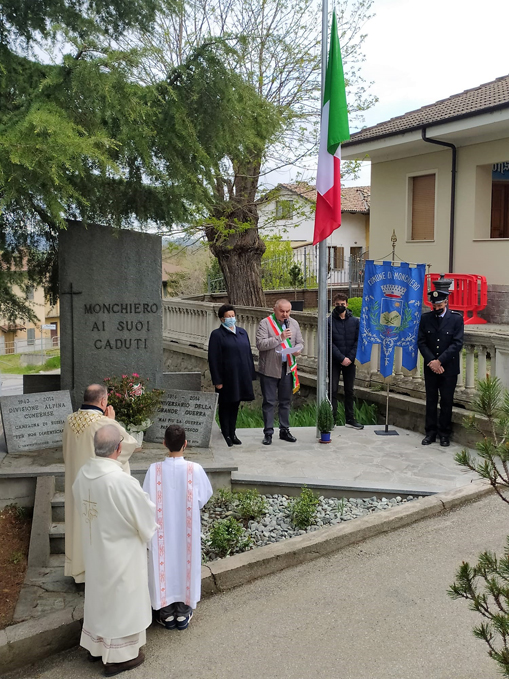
column 193, row 410
column 110, row 306
column 34, row 421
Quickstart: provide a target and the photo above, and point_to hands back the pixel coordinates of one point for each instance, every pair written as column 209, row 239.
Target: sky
column 420, row 51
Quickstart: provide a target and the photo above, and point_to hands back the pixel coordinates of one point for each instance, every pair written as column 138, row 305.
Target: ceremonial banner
column 391, row 311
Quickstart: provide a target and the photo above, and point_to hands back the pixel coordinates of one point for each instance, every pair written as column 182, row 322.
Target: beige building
column 289, row 211
column 25, row 336
column 440, row 179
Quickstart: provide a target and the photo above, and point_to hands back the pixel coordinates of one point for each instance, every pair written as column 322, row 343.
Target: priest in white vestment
column 78, row 448
column 117, row 521
column 179, row 490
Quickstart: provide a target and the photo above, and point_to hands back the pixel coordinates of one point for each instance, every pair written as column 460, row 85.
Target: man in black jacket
column 343, row 335
column 440, row 341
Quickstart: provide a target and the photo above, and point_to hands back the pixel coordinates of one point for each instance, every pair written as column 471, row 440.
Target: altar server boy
column 179, row 489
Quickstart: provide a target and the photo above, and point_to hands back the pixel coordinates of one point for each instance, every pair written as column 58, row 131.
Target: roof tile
column 353, row 198
column 476, row 101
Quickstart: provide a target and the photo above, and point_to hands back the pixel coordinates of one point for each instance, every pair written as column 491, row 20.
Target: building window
column 500, row 201
column 31, row 336
column 422, row 202
column 284, row 209
column 30, row 294
column 336, row 257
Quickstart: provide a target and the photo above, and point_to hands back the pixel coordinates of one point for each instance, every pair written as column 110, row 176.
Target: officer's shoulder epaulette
column 456, row 312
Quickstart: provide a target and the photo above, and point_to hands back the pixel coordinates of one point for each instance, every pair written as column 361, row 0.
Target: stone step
column 57, row 538
column 56, row 560
column 57, row 507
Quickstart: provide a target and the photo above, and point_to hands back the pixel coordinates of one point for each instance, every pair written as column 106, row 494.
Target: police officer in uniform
column 440, row 341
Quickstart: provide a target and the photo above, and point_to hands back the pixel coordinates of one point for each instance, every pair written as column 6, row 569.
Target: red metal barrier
column 469, row 293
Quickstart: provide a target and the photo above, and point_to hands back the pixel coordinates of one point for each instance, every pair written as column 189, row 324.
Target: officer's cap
column 436, row 296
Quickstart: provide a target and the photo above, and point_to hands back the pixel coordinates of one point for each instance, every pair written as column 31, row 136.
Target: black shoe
column 236, row 441
column 444, row 441
column 229, row 442
column 93, row 658
column 267, row 439
column 429, row 438
column 353, row 424
column 112, row 668
column 285, row 435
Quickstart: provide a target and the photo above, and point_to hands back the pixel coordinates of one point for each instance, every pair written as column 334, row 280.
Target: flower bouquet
column 134, row 404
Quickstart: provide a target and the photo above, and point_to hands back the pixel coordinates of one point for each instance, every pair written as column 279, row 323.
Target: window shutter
column 500, row 210
column 423, row 207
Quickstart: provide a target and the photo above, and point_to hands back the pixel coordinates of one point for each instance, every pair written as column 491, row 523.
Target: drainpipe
column 453, row 193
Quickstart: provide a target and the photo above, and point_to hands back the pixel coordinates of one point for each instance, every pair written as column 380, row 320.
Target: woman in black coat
column 231, row 369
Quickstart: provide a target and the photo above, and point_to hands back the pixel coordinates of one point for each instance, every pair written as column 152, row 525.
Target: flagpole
column 321, row 378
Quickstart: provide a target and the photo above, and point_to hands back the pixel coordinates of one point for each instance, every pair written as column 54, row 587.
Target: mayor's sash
column 286, row 344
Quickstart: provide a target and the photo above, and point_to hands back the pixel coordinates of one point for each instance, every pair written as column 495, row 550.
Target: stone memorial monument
column 193, row 410
column 111, row 309
column 34, row 421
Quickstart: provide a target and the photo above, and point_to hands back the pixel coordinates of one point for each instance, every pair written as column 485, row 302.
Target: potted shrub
column 325, row 420
column 133, row 403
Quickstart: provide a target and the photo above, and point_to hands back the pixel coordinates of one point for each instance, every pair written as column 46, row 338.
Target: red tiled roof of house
column 353, row 198
column 482, row 99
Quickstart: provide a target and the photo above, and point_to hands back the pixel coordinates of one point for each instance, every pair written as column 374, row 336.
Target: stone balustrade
column 486, row 349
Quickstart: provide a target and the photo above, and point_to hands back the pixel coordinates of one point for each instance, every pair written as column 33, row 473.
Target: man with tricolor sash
column 279, row 341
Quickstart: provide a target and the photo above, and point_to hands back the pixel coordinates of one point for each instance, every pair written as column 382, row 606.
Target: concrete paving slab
column 353, row 457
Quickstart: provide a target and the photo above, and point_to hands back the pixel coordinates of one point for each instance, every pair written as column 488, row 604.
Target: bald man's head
column 94, row 394
column 106, row 440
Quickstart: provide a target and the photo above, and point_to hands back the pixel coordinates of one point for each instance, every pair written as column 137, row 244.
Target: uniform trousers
column 279, row 389
column 443, row 384
column 348, row 381
column 227, row 412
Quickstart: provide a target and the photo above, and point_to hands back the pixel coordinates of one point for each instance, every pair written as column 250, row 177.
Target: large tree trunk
column 237, row 244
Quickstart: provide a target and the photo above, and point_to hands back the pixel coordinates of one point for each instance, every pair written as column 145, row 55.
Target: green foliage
column 250, row 417
column 325, row 416
column 222, row 499
column 492, row 459
column 303, row 509
column 133, row 403
column 16, row 557
column 277, row 261
column 10, row 363
column 355, row 305
column 228, row 536
column 250, row 505
column 86, row 138
column 246, row 505
column 485, row 585
column 296, row 276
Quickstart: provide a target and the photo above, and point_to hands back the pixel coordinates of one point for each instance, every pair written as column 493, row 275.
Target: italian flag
column 333, row 131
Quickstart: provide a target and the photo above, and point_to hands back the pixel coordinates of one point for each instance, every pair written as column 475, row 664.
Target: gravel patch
column 276, row 524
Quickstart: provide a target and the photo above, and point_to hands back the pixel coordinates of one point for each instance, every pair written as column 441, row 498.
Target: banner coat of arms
column 391, row 311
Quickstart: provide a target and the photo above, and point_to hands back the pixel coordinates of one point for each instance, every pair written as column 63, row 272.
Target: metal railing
column 299, row 269
column 27, row 346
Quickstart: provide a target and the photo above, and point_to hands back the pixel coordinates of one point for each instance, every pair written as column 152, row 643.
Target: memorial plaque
column 110, row 306
column 193, row 410
column 34, row 421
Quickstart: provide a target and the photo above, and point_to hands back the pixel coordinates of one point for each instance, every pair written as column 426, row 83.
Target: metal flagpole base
column 386, row 432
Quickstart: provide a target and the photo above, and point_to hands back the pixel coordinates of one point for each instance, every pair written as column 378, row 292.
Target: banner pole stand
column 386, row 431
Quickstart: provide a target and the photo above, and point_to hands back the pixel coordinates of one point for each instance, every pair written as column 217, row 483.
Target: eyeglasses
column 121, row 439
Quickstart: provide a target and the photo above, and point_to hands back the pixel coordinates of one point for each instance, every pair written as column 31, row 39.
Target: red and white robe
column 179, row 489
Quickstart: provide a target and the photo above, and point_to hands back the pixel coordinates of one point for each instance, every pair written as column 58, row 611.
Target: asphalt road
column 377, row 610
